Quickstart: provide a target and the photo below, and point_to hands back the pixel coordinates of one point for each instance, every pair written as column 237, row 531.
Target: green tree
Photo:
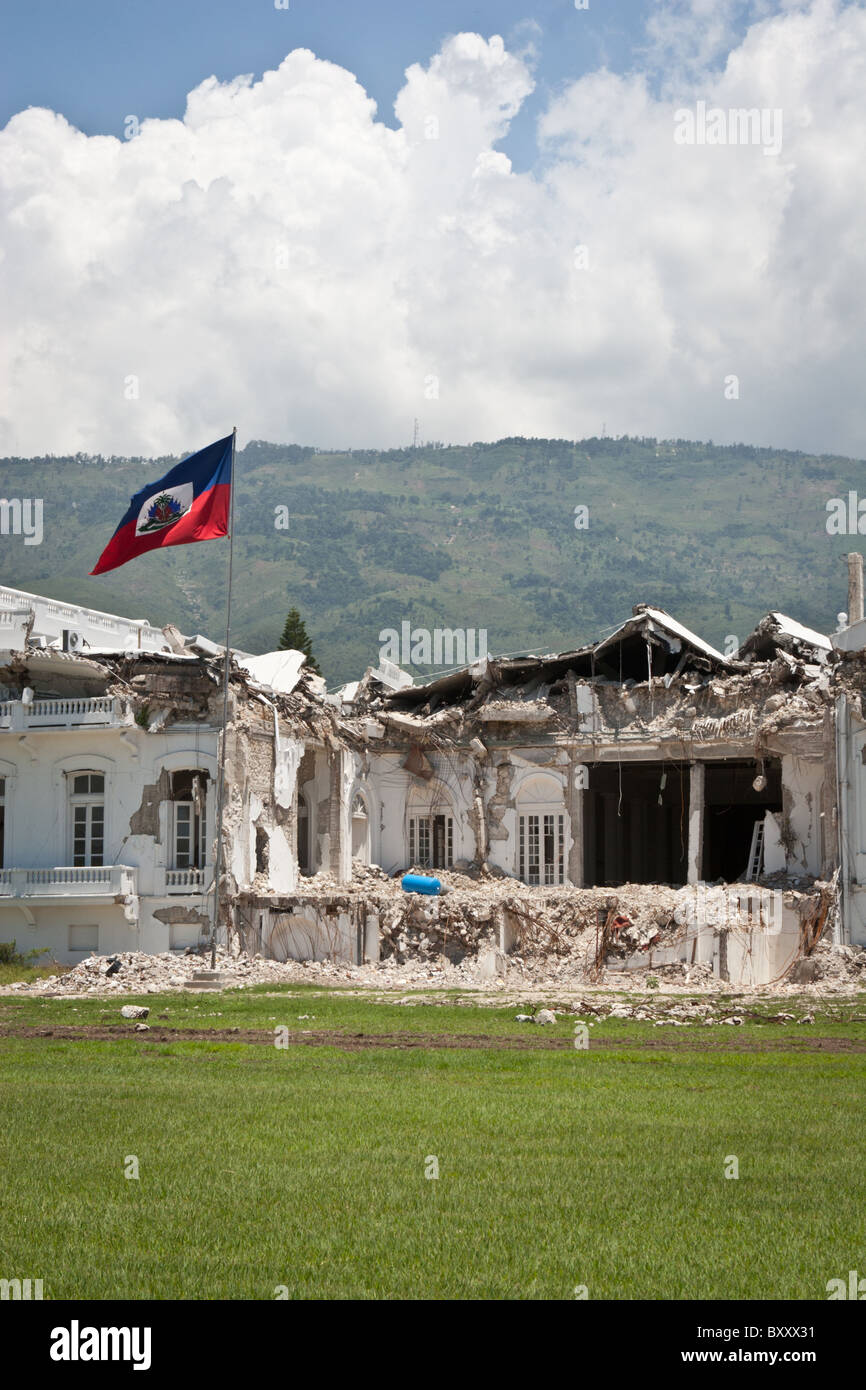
column 296, row 638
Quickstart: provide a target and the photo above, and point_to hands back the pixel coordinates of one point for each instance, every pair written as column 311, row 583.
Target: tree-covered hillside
column 479, row 537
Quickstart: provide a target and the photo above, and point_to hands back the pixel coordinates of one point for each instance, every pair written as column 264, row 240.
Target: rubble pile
column 139, row 972
column 836, row 970
column 840, row 971
column 557, row 937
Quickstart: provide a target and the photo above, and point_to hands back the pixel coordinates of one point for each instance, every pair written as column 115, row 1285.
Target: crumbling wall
column 802, row 781
column 392, row 783
column 498, row 803
column 145, row 821
column 313, row 931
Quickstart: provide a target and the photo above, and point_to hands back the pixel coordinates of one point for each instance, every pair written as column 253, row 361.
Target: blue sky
column 98, row 61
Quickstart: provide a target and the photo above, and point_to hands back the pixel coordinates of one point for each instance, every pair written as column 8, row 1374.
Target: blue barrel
column 418, row 883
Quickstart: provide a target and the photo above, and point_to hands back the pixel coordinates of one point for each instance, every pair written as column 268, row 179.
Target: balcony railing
column 108, row 880
column 60, row 713
column 186, row 880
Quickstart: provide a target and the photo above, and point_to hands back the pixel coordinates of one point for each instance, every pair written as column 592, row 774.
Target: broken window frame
column 189, row 820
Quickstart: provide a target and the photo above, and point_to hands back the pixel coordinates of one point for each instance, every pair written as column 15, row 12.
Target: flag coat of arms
column 191, row 503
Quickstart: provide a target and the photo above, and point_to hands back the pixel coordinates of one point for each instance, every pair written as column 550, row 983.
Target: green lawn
column 305, row 1167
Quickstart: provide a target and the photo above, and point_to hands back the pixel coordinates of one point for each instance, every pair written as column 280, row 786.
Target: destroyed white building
column 109, row 747
column 546, row 791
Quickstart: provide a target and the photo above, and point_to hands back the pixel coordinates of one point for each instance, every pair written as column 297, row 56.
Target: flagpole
column 222, row 760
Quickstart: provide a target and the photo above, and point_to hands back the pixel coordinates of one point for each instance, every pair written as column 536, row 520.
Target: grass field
column 304, row 1166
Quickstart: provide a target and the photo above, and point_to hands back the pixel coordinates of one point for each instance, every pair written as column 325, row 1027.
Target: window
column 189, row 794
column 541, row 838
column 360, row 821
column 2, row 822
column 84, row 940
column 540, row 843
column 87, row 801
column 431, row 841
column 183, row 935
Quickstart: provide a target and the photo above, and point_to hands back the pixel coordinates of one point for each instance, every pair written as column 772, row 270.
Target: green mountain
column 479, row 537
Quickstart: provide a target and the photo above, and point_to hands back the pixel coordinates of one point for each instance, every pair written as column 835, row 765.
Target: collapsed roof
column 650, row 645
column 776, row 633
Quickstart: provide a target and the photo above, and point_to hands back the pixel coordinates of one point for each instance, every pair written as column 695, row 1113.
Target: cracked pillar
column 574, row 868
column 855, row 588
column 829, row 799
column 341, row 771
column 697, row 777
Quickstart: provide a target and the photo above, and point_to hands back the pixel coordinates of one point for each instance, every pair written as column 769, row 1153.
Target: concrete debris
column 134, row 1011
column 567, row 967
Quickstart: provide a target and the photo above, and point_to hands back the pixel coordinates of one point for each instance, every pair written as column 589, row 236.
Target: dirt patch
column 359, row 1042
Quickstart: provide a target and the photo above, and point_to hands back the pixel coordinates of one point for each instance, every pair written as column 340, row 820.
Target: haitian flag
column 191, row 503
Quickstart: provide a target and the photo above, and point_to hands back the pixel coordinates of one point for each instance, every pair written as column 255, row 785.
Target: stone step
column 210, row 979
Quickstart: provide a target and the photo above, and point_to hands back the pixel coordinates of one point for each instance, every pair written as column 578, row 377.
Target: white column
column 697, row 779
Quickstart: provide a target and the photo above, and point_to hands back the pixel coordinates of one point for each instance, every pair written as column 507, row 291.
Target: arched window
column 87, row 804
column 360, row 829
column 541, row 827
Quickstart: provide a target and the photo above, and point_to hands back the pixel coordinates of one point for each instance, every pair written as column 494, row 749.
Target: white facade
column 92, row 629
column 121, row 891
column 108, row 804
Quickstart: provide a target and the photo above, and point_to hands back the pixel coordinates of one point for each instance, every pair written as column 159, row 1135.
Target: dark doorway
column 636, row 823
column 732, row 805
column 304, row 865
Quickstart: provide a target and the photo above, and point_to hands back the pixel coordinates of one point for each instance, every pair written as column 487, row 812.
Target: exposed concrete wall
column 499, row 776
column 392, row 783
column 279, row 822
column 319, row 931
column 749, row 937
column 343, row 769
column 314, row 784
column 802, row 803
column 575, row 802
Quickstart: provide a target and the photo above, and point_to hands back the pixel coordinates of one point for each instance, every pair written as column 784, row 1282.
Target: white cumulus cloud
column 284, row 261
